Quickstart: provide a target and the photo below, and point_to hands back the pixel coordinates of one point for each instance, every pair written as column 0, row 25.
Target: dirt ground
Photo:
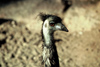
column 20, row 33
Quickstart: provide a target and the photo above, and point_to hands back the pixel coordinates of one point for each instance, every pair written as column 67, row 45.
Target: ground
column 20, row 33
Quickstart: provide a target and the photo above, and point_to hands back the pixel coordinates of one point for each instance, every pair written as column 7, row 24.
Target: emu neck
column 48, row 37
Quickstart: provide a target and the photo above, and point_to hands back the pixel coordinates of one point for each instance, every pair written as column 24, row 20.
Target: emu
column 51, row 23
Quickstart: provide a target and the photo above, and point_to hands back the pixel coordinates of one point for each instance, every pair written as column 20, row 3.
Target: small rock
column 80, row 33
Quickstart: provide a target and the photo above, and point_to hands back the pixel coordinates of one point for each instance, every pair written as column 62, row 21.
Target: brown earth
column 21, row 43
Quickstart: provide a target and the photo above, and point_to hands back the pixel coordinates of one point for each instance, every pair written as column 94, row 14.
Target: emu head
column 52, row 23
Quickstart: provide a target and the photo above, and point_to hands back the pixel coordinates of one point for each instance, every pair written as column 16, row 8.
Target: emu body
column 50, row 24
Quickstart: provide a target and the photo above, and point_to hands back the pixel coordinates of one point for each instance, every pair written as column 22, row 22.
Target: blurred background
column 20, row 32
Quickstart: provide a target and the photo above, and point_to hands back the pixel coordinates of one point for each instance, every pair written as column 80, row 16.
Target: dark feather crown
column 56, row 19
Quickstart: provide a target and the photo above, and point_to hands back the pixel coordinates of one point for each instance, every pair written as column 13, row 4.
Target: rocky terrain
column 20, row 32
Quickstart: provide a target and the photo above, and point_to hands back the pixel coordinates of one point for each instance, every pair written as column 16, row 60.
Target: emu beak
column 63, row 28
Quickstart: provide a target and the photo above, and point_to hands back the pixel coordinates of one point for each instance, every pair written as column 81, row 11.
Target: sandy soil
column 21, row 43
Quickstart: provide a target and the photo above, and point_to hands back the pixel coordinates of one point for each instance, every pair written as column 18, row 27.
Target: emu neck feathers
column 48, row 37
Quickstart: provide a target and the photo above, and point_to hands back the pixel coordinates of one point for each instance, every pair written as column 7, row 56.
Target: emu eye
column 52, row 23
